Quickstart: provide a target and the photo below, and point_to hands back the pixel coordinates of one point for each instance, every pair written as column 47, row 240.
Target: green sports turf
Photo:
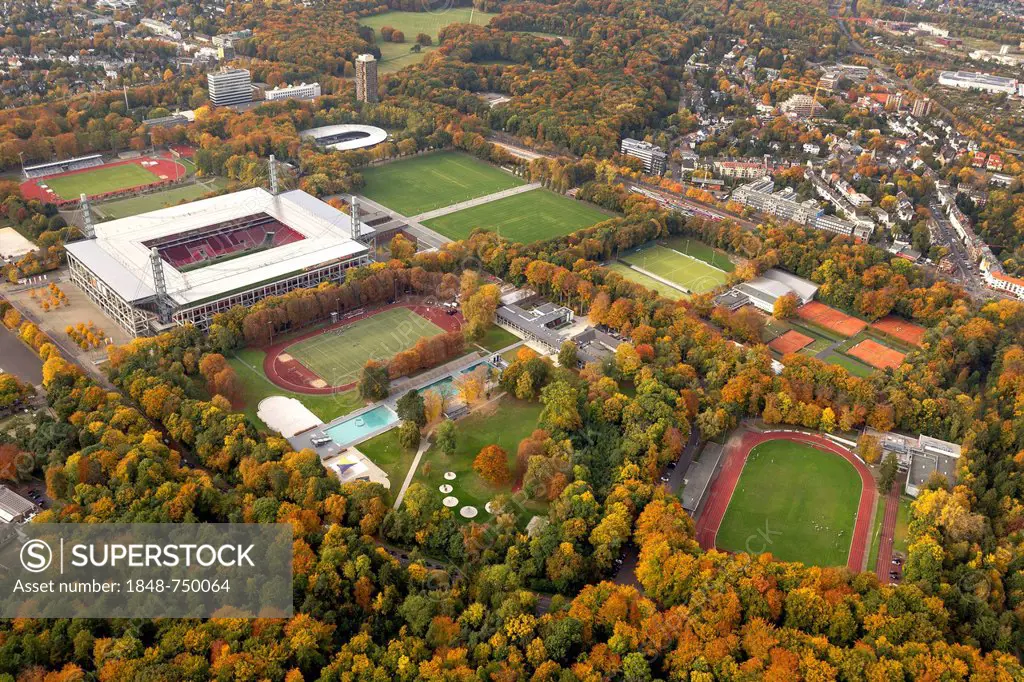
column 701, row 251
column 795, row 501
column 689, row 272
column 424, row 183
column 157, row 200
column 395, row 56
column 337, row 356
column 248, row 365
column 101, row 180
column 649, row 282
column 852, row 365
column 532, row 216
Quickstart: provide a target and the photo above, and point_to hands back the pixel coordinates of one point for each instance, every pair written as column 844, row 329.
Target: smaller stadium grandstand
column 346, row 137
column 43, row 170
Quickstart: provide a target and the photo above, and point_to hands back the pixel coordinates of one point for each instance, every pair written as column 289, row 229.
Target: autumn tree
column 373, row 382
column 409, row 434
column 444, row 437
column 492, row 465
column 785, row 306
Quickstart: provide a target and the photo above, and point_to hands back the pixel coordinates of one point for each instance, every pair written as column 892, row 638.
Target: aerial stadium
column 182, row 265
column 346, row 137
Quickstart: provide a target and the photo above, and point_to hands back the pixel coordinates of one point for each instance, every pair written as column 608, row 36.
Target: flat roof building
column 921, row 457
column 538, row 324
column 13, row 507
column 229, row 86
column 302, row 91
column 763, row 291
column 975, row 80
column 654, row 157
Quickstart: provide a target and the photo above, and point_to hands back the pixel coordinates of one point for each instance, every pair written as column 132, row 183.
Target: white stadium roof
column 120, row 257
column 368, row 135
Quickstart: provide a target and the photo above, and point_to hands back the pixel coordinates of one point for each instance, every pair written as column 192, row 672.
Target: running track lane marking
column 724, row 487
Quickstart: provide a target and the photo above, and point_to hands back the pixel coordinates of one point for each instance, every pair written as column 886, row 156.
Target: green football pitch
column 124, row 208
column 640, row 278
column 103, row 179
column 532, row 216
column 337, row 356
column 675, row 266
column 795, row 501
column 424, row 183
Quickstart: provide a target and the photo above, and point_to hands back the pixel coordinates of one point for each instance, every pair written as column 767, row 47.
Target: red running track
column 169, row 168
column 721, row 491
column 293, row 376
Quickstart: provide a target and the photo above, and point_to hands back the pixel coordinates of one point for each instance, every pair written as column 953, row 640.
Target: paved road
column 437, row 213
column 16, row 358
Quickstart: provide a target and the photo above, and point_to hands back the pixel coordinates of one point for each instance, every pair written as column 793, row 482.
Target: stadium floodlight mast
column 273, row 175
column 87, row 227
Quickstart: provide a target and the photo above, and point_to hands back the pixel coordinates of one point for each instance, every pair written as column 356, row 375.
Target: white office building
column 654, row 157
column 303, row 91
column 229, row 86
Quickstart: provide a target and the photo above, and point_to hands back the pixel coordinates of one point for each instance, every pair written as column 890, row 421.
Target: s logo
column 36, row 556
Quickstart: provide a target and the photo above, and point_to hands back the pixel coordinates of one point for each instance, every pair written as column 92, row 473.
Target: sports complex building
column 182, row 265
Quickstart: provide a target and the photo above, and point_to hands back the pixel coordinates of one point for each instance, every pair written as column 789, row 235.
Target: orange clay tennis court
column 898, row 328
column 830, row 318
column 876, row 355
column 790, row 342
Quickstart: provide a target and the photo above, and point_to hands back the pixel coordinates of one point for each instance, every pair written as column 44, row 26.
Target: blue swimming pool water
column 355, row 428
column 446, row 386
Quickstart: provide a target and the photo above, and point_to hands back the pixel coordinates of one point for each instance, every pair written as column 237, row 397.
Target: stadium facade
column 184, row 264
column 346, row 136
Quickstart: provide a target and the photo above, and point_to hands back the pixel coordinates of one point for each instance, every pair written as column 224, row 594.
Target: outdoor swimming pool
column 446, row 386
column 351, row 430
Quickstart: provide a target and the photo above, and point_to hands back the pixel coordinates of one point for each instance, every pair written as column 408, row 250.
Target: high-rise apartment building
column 366, row 78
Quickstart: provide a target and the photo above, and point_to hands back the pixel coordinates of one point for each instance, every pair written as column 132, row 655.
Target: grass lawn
column 386, row 452
column 157, row 200
column 525, row 218
column 395, row 56
column 424, row 183
column 795, row 501
column 497, row 338
column 101, row 180
column 691, row 273
column 700, row 250
column 649, row 282
column 899, row 541
column 876, row 533
column 504, row 424
column 338, row 355
column 248, row 364
column 852, row 365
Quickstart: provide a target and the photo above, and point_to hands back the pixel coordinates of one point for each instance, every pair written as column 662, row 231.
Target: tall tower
column 355, row 217
column 273, row 175
column 87, row 227
column 366, row 78
column 160, row 285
